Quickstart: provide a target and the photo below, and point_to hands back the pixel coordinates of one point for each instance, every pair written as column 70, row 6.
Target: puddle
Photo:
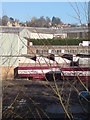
column 55, row 109
column 58, row 109
column 76, row 110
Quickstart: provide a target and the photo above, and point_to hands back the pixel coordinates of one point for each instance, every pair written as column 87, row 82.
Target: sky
column 24, row 11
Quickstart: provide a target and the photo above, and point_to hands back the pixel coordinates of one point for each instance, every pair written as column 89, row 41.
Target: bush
column 56, row 41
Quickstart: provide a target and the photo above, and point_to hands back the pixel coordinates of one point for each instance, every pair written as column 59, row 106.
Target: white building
column 44, row 61
column 85, row 43
column 12, row 46
column 35, row 34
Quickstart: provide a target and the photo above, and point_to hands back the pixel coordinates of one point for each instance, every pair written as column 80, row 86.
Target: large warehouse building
column 45, row 33
column 15, row 48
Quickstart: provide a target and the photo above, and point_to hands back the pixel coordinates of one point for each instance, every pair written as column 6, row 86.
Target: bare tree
column 89, row 20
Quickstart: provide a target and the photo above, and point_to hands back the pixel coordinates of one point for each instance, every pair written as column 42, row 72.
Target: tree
column 11, row 19
column 89, row 20
column 16, row 20
column 56, row 21
column 5, row 20
column 0, row 21
column 42, row 21
column 53, row 21
column 48, row 22
column 32, row 23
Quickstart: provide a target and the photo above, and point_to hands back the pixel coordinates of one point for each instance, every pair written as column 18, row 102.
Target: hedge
column 56, row 41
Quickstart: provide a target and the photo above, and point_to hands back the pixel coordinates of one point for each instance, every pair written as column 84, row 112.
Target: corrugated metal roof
column 25, row 60
column 43, row 60
column 62, row 60
column 17, row 30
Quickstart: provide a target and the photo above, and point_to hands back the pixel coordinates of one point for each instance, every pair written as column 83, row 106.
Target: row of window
column 61, row 51
column 77, row 51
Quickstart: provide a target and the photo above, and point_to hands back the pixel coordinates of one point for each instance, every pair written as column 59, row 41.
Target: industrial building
column 12, row 46
column 45, row 33
column 15, row 50
column 58, row 50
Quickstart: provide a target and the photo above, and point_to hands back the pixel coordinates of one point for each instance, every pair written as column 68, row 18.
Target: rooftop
column 17, row 30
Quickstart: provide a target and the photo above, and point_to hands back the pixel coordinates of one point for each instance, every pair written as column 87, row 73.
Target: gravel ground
column 25, row 99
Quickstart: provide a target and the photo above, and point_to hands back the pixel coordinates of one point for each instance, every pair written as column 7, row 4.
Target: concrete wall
column 11, row 47
column 8, row 72
column 12, row 44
